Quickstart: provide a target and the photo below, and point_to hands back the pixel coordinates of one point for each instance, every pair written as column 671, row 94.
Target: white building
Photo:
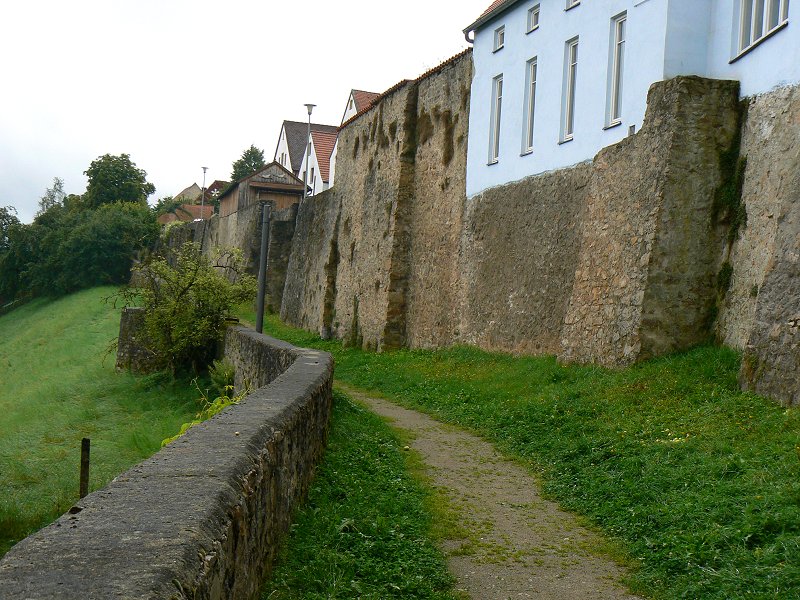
column 291, row 148
column 318, row 168
column 555, row 81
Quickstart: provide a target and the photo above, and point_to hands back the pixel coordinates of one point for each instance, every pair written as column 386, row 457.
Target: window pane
column 746, row 18
column 758, row 19
column 773, row 14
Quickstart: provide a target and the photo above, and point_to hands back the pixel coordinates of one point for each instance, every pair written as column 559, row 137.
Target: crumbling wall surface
column 241, row 229
column 281, row 234
column 203, row 518
column 519, row 251
column 132, row 342
column 770, row 146
column 310, row 288
column 763, row 304
column 436, row 212
column 374, row 151
column 644, row 282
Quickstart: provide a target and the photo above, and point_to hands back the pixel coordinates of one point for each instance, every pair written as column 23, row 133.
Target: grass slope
column 59, row 386
column 698, row 480
column 364, row 531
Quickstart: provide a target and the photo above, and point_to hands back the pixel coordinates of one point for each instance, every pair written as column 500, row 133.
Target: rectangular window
column 568, row 95
column 758, row 19
column 530, row 106
column 533, row 18
column 494, row 123
column 499, row 38
column 615, row 69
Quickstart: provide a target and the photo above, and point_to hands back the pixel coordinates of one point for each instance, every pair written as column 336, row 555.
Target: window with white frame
column 571, row 3
column 568, row 93
column 616, row 67
column 758, row 19
column 533, row 17
column 499, row 37
column 530, row 105
column 494, row 122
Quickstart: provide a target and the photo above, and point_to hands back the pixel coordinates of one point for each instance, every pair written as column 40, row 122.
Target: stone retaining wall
column 202, row 518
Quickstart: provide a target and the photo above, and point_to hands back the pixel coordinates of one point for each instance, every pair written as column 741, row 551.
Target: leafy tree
column 8, row 219
column 53, row 196
column 116, row 179
column 167, row 205
column 187, row 296
column 251, row 161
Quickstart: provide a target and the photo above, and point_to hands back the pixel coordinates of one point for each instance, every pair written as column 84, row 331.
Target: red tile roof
column 364, row 99
column 324, row 142
column 495, row 8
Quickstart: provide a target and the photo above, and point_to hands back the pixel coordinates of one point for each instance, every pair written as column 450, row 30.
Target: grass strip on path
column 699, row 481
column 364, row 531
column 58, row 386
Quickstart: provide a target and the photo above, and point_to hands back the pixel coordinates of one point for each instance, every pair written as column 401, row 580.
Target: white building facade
column 555, row 81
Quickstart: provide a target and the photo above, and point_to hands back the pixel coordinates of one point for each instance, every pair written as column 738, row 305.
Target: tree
column 116, row 179
column 251, row 161
column 187, row 296
column 53, row 196
column 8, row 219
column 167, row 205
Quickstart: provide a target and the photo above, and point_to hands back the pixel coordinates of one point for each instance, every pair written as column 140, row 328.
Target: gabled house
column 357, row 102
column 274, row 183
column 319, row 167
column 557, row 80
column 190, row 194
column 291, row 148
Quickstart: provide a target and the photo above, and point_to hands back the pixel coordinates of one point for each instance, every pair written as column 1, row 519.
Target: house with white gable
column 317, row 164
column 556, row 81
column 291, row 147
column 357, row 102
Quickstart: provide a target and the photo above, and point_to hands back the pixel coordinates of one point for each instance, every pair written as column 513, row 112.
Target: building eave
column 485, row 18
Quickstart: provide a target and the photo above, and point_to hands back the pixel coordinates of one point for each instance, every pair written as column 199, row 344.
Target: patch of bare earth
column 514, row 544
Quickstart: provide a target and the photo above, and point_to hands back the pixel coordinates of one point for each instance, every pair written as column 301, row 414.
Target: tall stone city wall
column 436, row 213
column 761, row 312
column 310, row 290
column 644, row 281
column 203, row 518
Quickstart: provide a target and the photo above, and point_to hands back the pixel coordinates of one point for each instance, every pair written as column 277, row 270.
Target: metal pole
column 84, row 485
column 310, row 108
column 203, row 194
column 266, row 210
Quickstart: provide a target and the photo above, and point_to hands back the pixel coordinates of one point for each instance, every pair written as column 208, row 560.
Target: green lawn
column 699, row 482
column 58, row 385
column 365, row 530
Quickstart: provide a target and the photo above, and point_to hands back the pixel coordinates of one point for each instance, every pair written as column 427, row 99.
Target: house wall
column 283, row 148
column 316, row 183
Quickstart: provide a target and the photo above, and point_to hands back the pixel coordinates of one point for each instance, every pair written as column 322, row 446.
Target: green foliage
column 364, row 532
column 8, row 219
column 221, row 373
column 53, row 196
column 167, row 205
column 58, row 387
column 724, row 278
column 698, row 480
column 187, row 297
column 251, row 161
column 209, row 408
column 116, row 179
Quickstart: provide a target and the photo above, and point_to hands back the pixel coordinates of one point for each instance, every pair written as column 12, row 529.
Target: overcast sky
column 183, row 84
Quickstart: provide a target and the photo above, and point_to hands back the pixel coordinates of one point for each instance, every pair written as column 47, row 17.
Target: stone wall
column 310, row 290
column 644, row 281
column 761, row 311
column 132, row 353
column 203, row 518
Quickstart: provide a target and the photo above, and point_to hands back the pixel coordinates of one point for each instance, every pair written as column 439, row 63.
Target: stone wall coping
column 187, row 522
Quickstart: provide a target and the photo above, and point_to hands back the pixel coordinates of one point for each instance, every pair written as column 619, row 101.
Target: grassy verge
column 699, row 481
column 364, row 532
column 59, row 386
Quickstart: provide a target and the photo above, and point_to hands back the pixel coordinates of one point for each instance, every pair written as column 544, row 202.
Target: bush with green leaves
column 187, row 296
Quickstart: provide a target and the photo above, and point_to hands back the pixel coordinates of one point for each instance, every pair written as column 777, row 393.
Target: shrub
column 187, row 296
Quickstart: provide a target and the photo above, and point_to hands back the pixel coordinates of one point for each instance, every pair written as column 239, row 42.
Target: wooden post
column 85, row 443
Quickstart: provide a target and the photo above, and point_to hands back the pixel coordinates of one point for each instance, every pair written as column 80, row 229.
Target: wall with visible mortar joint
column 203, row 518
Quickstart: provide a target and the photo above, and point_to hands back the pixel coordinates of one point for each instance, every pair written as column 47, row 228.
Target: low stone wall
column 203, row 517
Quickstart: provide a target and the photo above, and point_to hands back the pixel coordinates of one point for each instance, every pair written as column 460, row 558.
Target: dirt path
column 519, row 545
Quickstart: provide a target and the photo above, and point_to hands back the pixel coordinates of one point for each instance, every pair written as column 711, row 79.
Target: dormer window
column 499, row 38
column 533, row 18
column 758, row 19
